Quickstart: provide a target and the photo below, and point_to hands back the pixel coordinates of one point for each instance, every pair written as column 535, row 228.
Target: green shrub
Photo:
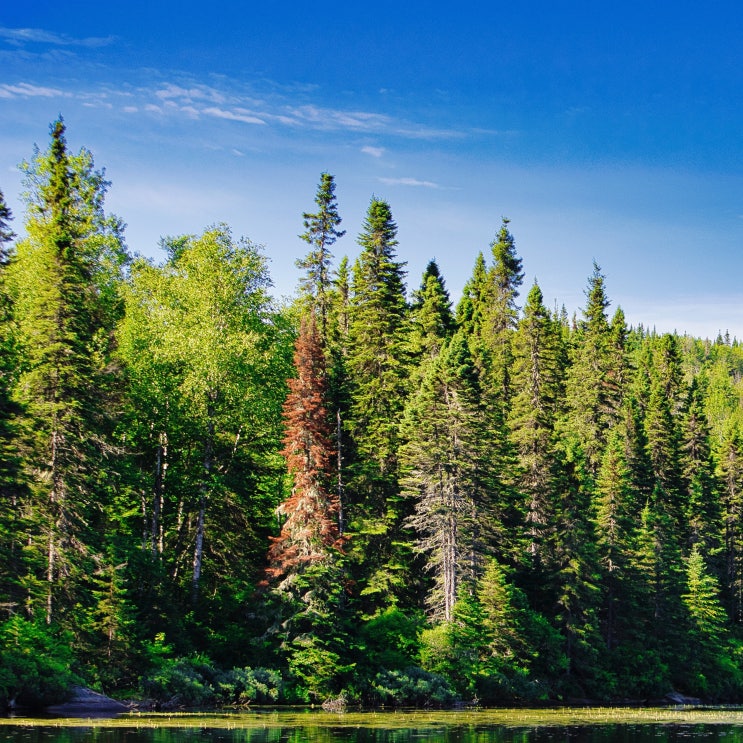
column 35, row 661
column 195, row 682
column 412, row 687
column 249, row 685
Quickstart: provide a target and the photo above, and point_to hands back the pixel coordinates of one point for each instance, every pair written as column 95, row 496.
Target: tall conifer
column 321, row 233
column 310, row 527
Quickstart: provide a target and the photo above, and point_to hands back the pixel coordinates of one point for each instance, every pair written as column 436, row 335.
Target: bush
column 35, row 661
column 412, row 687
column 195, row 682
column 248, row 685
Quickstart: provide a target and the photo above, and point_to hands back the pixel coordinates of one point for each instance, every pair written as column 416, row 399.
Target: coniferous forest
column 373, row 494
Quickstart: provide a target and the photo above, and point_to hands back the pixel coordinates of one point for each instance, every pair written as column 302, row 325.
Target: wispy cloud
column 409, row 182
column 27, row 90
column 191, row 94
column 238, row 114
column 22, row 36
column 373, row 151
column 242, row 105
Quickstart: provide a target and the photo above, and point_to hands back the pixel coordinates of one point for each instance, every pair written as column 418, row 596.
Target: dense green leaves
column 494, row 504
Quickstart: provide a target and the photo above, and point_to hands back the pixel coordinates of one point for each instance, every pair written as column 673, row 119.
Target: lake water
column 314, row 726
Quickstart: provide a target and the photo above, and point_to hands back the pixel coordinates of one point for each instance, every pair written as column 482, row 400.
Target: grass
column 315, row 718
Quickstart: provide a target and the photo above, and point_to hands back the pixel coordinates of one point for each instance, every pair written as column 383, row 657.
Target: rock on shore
column 87, row 703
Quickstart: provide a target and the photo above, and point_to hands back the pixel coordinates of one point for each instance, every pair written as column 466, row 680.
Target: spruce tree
column 376, row 341
column 537, row 385
column 6, row 234
column 703, row 507
column 310, row 527
column 11, row 480
column 446, row 472
column 590, row 394
column 431, row 318
column 378, row 371
column 731, row 474
column 321, row 233
column 63, row 279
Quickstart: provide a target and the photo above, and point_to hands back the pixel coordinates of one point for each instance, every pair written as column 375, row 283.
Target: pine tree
column 321, row 233
column 310, row 528
column 63, row 280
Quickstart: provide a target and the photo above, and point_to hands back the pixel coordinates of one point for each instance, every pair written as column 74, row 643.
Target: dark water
column 309, row 731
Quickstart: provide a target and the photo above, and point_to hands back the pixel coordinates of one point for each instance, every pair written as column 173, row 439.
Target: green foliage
column 504, row 505
column 35, row 663
column 196, row 682
column 409, row 687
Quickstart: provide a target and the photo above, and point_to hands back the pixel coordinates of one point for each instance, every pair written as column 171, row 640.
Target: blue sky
column 606, row 132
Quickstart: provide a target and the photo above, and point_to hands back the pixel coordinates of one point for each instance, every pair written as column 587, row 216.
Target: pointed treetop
column 379, row 229
column 507, row 266
column 321, row 226
column 6, row 234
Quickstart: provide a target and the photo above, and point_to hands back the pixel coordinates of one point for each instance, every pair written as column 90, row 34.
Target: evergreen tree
column 431, row 318
column 376, row 341
column 63, row 279
column 378, row 370
column 11, row 481
column 321, row 233
column 446, row 472
column 537, row 385
column 590, row 393
column 6, row 233
column 470, row 309
column 311, row 513
column 703, row 508
column 731, row 475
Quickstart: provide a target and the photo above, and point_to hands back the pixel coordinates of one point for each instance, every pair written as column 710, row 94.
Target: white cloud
column 26, row 90
column 373, row 151
column 238, row 114
column 409, row 182
column 194, row 93
column 22, row 36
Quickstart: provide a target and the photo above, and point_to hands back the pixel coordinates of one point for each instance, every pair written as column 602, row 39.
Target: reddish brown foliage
column 311, row 526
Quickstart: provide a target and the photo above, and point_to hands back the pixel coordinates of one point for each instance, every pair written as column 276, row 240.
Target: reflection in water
column 605, row 733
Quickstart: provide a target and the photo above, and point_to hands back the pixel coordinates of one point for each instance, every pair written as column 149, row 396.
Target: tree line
column 206, row 497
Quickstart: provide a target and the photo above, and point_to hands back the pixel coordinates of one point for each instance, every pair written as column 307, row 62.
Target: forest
column 367, row 494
